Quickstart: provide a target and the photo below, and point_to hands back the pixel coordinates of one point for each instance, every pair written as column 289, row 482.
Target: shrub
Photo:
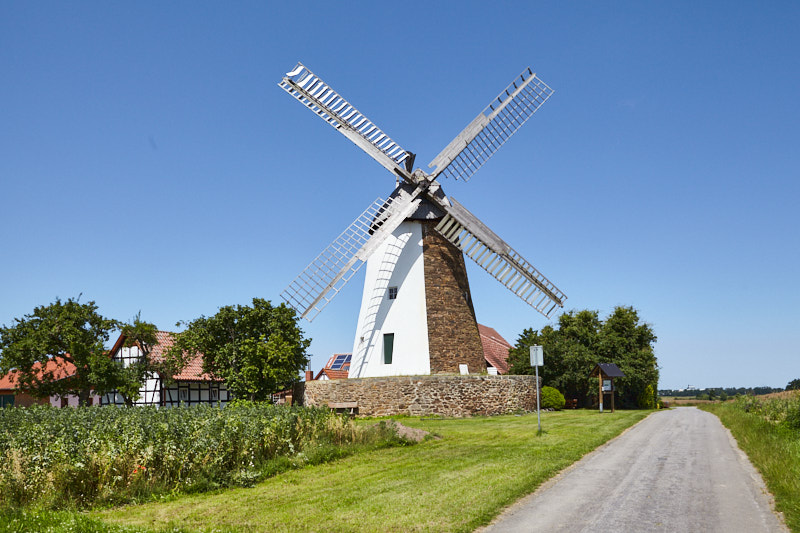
column 647, row 399
column 551, row 398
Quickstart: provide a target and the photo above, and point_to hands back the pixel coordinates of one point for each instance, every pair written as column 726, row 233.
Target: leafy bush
column 647, row 399
column 551, row 398
column 59, row 458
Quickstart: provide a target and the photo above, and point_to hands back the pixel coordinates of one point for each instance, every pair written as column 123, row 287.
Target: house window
column 214, row 395
column 183, row 395
column 6, row 400
column 388, row 348
column 392, row 293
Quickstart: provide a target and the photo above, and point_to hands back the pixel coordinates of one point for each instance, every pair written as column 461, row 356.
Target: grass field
column 774, row 450
column 455, row 482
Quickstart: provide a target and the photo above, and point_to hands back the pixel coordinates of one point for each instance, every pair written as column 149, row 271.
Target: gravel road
column 678, row 470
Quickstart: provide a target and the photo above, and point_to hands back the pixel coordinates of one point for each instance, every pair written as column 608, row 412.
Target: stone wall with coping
column 447, row 395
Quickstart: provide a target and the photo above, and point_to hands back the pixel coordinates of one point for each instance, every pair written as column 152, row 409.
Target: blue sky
column 149, row 161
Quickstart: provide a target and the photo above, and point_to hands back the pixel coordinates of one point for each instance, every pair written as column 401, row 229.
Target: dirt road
column 677, row 470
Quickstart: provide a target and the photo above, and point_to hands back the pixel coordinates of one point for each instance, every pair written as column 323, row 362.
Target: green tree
column 67, row 333
column 793, row 385
column 256, row 350
column 629, row 344
column 570, row 353
column 579, row 341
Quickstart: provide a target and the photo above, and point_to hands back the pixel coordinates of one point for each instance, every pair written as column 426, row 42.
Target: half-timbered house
column 191, row 386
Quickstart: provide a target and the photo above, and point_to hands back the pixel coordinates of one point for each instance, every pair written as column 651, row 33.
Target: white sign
column 606, row 385
column 537, row 356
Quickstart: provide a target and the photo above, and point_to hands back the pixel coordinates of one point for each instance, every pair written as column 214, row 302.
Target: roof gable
column 193, row 371
column 495, row 348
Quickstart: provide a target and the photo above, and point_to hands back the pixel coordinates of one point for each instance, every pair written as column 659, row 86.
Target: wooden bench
column 342, row 407
column 571, row 403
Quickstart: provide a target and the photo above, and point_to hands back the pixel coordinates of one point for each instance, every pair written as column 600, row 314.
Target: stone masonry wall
column 453, row 336
column 447, row 395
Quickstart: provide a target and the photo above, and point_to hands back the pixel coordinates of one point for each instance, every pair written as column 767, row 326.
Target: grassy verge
column 454, row 483
column 773, row 449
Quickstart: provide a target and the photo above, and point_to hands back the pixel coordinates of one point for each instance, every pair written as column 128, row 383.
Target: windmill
column 416, row 315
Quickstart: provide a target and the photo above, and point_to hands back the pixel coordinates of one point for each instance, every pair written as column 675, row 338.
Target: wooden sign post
column 606, row 372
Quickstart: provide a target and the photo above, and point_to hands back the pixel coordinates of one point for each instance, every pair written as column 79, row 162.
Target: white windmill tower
column 416, row 313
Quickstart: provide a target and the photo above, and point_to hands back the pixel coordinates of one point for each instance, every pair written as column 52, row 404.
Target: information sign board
column 537, row 356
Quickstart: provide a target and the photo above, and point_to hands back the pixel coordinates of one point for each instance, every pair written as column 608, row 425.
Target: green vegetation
column 256, row 350
column 580, row 341
column 768, row 431
column 74, row 458
column 72, row 335
column 453, row 483
column 552, row 399
column 23, row 520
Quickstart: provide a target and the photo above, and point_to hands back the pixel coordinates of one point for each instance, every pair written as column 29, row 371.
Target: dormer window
column 392, row 293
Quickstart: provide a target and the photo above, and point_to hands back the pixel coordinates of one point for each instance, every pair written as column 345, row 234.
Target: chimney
column 309, row 375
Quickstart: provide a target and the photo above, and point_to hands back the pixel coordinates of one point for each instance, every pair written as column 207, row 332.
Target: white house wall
column 397, row 263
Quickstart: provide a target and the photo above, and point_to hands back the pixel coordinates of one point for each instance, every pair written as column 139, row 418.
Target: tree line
column 256, row 350
column 579, row 341
column 719, row 391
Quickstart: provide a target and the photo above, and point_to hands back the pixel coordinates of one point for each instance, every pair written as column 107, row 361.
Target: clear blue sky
column 149, row 161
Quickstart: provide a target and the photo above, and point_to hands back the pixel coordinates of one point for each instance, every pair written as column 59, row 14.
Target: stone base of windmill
column 445, row 395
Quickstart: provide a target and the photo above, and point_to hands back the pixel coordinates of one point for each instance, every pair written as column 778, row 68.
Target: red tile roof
column 60, row 369
column 495, row 348
column 333, row 374
column 193, row 371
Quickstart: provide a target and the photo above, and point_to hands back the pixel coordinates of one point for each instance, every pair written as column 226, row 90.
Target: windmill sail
column 463, row 229
column 339, row 113
column 325, row 276
column 494, row 126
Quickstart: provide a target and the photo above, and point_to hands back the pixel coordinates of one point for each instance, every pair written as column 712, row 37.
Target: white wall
column 73, row 400
column 397, row 263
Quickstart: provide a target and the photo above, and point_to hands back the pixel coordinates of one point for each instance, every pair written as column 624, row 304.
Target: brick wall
column 448, row 395
column 453, row 336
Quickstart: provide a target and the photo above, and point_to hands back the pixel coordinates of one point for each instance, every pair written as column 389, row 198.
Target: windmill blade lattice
column 494, row 126
column 463, row 229
column 339, row 113
column 325, row 276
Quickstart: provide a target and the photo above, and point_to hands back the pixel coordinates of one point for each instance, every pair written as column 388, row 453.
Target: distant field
column 689, row 400
column 683, row 400
column 784, row 394
column 686, row 401
column 455, row 482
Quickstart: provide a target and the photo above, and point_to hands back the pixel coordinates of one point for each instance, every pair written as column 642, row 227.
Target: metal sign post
column 537, row 360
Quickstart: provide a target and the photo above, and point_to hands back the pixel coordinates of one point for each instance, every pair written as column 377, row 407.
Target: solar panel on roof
column 340, row 360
